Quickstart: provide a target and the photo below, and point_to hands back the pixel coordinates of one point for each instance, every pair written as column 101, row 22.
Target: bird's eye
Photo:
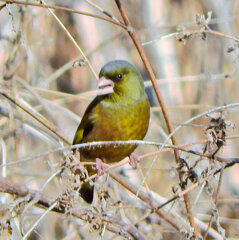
column 119, row 77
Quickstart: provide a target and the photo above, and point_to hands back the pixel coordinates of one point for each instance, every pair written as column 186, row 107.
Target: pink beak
column 105, row 86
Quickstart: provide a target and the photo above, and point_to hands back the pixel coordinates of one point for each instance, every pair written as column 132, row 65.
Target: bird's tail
column 87, row 192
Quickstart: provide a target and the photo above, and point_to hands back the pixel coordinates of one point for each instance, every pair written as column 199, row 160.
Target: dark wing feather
column 85, row 127
column 86, row 124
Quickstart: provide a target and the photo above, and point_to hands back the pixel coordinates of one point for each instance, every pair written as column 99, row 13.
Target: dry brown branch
column 36, row 118
column 62, row 9
column 161, row 103
column 215, row 202
column 7, row 186
column 112, row 224
column 39, row 116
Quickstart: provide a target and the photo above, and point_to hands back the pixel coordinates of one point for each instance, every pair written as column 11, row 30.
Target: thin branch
column 149, row 70
column 8, row 186
column 35, row 117
column 189, row 33
column 15, row 189
column 161, row 103
column 215, row 203
column 41, row 101
column 157, row 209
column 147, row 199
column 103, row 11
column 64, row 9
column 112, row 224
column 38, row 220
column 108, row 143
column 72, row 39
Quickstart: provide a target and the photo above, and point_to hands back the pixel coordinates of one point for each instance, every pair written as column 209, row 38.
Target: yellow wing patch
column 78, row 137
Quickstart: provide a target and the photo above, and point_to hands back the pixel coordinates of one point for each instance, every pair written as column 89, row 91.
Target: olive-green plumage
column 120, row 115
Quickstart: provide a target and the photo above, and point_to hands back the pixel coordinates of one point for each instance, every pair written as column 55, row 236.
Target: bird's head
column 119, row 78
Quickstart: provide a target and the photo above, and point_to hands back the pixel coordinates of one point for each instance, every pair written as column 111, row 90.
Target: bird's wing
column 87, row 123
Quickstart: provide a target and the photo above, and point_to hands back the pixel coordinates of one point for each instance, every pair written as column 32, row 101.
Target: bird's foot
column 100, row 167
column 133, row 160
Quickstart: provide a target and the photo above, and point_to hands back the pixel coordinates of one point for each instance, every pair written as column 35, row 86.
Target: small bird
column 120, row 111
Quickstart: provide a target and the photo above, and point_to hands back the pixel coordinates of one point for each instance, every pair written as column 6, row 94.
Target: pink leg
column 133, row 160
column 100, row 167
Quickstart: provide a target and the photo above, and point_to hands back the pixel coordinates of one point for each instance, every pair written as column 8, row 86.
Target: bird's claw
column 100, row 167
column 133, row 160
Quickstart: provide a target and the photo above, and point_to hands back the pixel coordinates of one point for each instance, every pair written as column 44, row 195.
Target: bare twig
column 112, row 224
column 215, row 203
column 146, row 198
column 161, row 103
column 64, row 9
column 108, row 143
column 190, row 33
column 35, row 117
column 15, row 189
column 103, row 11
column 8, row 186
column 72, row 39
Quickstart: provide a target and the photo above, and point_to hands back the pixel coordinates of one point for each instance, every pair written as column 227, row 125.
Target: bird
column 119, row 112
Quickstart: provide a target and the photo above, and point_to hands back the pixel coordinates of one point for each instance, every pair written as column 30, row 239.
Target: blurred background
column 45, row 73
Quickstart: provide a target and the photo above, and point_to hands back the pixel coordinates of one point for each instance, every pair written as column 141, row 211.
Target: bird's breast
column 117, row 122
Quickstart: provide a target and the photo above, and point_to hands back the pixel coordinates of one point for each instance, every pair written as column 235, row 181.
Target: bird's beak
column 105, row 86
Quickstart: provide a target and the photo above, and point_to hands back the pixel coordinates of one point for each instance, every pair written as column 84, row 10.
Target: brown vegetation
column 186, row 184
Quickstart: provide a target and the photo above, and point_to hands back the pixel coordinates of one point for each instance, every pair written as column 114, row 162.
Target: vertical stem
column 150, row 72
column 215, row 202
column 161, row 103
